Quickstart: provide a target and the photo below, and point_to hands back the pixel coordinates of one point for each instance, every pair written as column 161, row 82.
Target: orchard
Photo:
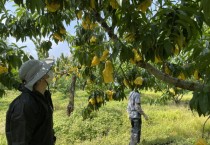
column 118, row 44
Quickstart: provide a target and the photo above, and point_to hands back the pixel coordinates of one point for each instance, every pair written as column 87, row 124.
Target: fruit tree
column 116, row 38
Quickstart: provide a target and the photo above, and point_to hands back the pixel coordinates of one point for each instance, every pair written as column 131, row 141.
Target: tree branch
column 192, row 86
column 105, row 26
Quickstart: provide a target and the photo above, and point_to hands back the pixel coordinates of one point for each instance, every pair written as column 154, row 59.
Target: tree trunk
column 70, row 107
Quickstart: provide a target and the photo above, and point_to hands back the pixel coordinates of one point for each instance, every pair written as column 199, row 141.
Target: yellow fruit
column 57, row 36
column 108, row 76
column 109, row 94
column 181, row 76
column 178, row 88
column 114, row 4
column 92, row 101
column 79, row 15
column 93, row 39
column 95, row 61
column 62, row 30
column 73, row 69
column 108, row 66
column 138, row 81
column 93, row 25
column 99, row 99
column 137, row 57
column 167, row 70
column 144, row 5
column 180, row 41
column 92, row 4
column 110, row 97
column 53, row 6
column 176, row 51
column 85, row 25
column 3, row 69
column 196, row 75
column 157, row 59
column 132, row 61
column 201, row 141
column 87, row 19
column 108, row 72
column 130, row 37
column 104, row 55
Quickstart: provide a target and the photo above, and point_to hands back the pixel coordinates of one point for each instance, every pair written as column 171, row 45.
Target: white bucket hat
column 33, row 70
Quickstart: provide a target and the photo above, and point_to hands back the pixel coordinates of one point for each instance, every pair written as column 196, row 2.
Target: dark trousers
column 135, row 130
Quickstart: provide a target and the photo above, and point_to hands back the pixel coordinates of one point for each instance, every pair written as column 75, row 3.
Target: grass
column 168, row 124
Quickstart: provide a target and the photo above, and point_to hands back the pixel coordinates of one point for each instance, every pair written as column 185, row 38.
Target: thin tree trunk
column 83, row 86
column 70, row 107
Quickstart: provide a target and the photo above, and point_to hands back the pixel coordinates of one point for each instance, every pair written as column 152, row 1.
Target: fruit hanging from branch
column 108, row 72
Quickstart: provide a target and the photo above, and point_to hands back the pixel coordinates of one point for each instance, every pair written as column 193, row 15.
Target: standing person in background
column 29, row 119
column 135, row 111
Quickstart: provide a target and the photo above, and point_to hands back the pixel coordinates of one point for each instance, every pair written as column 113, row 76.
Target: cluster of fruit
column 137, row 82
column 58, row 35
column 86, row 23
column 137, row 57
column 96, row 60
column 95, row 100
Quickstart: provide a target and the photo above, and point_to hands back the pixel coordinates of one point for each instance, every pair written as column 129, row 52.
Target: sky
column 57, row 49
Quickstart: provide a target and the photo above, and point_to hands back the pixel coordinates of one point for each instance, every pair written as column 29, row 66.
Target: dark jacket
column 29, row 119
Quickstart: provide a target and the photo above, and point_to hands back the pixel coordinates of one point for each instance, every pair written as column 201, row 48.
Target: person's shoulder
column 29, row 101
column 136, row 94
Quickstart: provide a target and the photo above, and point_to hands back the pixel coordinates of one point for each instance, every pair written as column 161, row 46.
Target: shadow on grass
column 160, row 141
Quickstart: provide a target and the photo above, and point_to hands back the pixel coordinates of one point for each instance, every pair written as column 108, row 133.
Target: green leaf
column 194, row 101
column 186, row 26
column 206, row 9
column 203, row 104
column 168, row 47
column 19, row 2
column 125, row 54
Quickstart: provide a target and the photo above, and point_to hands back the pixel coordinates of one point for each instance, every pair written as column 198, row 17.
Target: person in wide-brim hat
column 33, row 70
column 29, row 117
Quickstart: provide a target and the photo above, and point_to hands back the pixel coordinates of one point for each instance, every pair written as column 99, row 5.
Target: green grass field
column 168, row 124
